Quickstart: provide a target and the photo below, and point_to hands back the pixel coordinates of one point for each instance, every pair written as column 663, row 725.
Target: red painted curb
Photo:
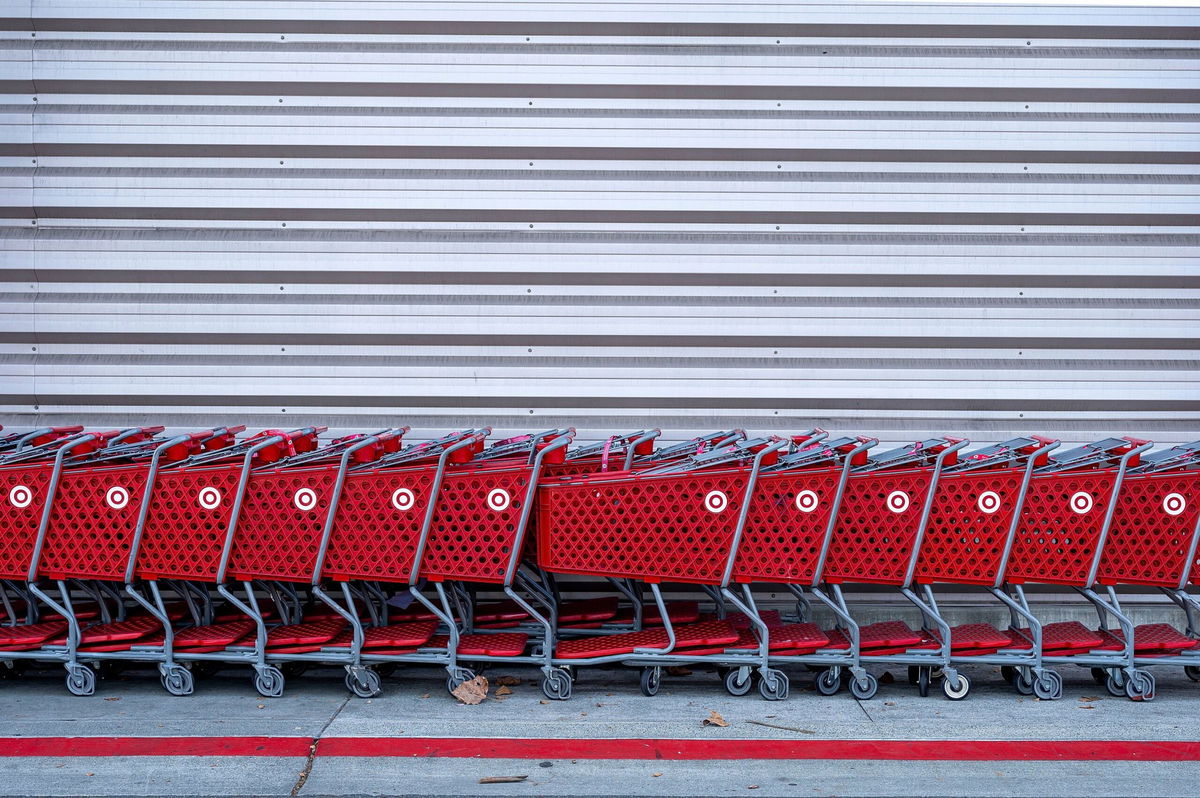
column 469, row 747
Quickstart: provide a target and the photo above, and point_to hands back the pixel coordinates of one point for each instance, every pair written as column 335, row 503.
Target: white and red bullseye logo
column 498, row 499
column 715, row 501
column 807, row 501
column 1081, row 503
column 209, row 498
column 403, row 499
column 1174, row 504
column 20, row 496
column 116, row 497
column 898, row 501
column 988, row 502
column 305, row 499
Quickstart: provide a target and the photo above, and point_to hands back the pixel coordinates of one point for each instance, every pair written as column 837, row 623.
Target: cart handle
column 631, row 450
column 561, row 441
column 137, row 434
column 45, row 435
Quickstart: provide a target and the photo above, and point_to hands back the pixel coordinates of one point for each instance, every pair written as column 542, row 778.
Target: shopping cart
column 381, row 518
column 186, row 537
column 1065, row 520
column 786, row 539
column 72, row 508
column 681, row 522
column 968, row 538
column 880, row 526
column 1152, row 542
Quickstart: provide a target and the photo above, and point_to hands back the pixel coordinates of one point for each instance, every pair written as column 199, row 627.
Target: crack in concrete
column 312, row 749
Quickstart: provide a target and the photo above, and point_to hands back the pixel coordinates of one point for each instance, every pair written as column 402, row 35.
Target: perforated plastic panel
column 377, row 524
column 1151, row 530
column 877, row 526
column 968, row 527
column 475, row 524
column 1060, row 527
column 678, row 527
column 22, row 499
column 279, row 531
column 92, row 522
column 187, row 523
column 785, row 529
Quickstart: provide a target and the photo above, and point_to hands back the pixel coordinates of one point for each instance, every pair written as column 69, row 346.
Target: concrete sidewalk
column 606, row 706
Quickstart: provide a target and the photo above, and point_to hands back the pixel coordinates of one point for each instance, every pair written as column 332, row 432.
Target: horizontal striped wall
column 894, row 219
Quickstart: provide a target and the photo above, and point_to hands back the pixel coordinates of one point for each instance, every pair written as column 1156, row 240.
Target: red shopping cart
column 880, row 526
column 1066, row 517
column 682, row 522
column 1152, row 541
column 967, row 541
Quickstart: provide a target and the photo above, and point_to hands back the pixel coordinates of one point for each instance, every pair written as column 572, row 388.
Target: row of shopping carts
column 281, row 550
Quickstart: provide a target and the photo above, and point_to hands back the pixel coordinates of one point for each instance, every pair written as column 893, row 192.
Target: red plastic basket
column 476, row 522
column 283, row 516
column 187, row 523
column 22, row 501
column 676, row 527
column 877, row 526
column 785, row 528
column 1152, row 529
column 968, row 527
column 92, row 521
column 1060, row 527
column 378, row 523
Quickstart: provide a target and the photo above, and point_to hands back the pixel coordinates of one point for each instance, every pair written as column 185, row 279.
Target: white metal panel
column 888, row 218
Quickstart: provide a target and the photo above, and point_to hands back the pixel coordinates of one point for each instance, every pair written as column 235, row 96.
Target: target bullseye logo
column 20, row 496
column 305, row 499
column 403, row 499
column 1174, row 504
column 898, row 501
column 1082, row 502
column 988, row 502
column 498, row 499
column 807, row 501
column 715, row 501
column 209, row 498
column 116, row 497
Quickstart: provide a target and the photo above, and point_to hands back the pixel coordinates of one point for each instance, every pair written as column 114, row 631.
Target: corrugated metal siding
column 894, row 219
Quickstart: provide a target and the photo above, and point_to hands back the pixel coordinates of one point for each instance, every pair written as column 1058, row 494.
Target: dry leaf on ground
column 511, row 681
column 714, row 719
column 503, row 690
column 472, row 692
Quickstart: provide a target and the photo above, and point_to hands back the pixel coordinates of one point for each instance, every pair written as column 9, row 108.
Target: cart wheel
column 651, row 680
column 828, row 682
column 956, row 689
column 455, row 679
column 269, row 682
column 81, row 680
column 177, row 680
column 1140, row 686
column 738, row 681
column 1048, row 686
column 924, row 676
column 864, row 689
column 364, row 684
column 1100, row 676
column 1008, row 673
column 202, row 669
column 385, row 669
column 1115, row 683
column 1023, row 681
column 293, row 669
column 774, row 685
column 1192, row 672
column 556, row 685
